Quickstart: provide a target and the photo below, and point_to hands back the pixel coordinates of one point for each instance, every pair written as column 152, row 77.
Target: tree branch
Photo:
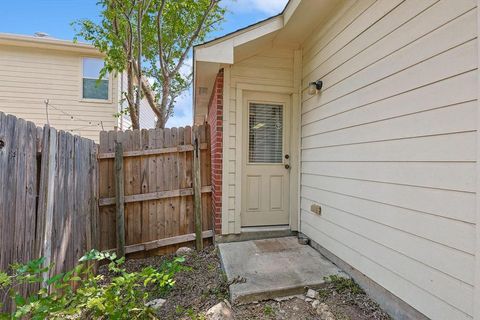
column 194, row 37
column 148, row 92
column 139, row 54
column 169, row 109
column 130, row 102
column 161, row 54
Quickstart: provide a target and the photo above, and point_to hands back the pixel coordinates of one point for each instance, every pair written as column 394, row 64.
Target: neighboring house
column 53, row 81
column 379, row 168
column 147, row 118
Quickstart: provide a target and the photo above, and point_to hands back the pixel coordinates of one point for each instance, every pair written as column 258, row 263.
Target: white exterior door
column 265, row 194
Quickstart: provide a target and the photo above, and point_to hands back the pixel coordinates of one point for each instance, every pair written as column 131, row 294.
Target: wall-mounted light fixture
column 314, row 87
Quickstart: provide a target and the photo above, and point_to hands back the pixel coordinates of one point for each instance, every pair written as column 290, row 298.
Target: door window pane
column 265, row 137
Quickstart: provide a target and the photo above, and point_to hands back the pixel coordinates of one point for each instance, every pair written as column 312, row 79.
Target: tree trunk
column 131, row 104
column 160, row 124
column 161, row 118
column 151, row 100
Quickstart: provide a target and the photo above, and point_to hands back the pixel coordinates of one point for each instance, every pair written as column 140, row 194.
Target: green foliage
column 342, row 284
column 190, row 313
column 268, row 310
column 158, row 34
column 323, row 294
column 79, row 293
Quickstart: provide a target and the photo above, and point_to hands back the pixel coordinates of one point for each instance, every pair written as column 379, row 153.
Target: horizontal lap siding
column 147, row 116
column 146, row 119
column 29, row 76
column 270, row 67
column 389, row 147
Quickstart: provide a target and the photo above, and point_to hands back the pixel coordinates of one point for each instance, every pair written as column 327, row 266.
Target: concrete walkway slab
column 265, row 269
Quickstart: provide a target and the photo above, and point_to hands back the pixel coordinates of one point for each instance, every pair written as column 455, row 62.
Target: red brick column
column 215, row 119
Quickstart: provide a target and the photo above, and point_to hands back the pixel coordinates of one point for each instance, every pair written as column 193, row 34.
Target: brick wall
column 215, row 119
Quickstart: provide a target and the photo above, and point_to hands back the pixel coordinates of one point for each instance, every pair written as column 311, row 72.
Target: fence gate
column 158, row 188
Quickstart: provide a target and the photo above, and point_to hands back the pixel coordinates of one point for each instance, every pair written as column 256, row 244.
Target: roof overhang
column 222, row 50
column 288, row 29
column 47, row 43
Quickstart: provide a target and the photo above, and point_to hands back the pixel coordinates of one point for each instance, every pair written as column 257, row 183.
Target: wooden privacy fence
column 157, row 192
column 48, row 195
column 58, row 194
column 58, row 197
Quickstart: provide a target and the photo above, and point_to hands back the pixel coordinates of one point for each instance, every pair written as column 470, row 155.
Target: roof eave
column 47, row 43
column 221, row 50
column 286, row 13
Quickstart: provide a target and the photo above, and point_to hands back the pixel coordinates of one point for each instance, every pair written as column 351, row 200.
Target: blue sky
column 54, row 17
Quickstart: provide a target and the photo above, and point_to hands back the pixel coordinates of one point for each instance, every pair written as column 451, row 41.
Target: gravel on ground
column 203, row 284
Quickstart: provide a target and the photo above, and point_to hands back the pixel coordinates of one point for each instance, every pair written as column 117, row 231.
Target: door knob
column 287, row 166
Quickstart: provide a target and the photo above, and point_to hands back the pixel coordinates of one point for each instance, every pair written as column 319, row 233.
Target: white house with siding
column 46, row 80
column 378, row 167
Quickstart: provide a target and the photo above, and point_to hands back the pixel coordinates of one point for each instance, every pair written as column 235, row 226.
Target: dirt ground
column 343, row 297
column 204, row 285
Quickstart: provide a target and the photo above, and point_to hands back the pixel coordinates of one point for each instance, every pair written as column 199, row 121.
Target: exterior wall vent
column 202, row 91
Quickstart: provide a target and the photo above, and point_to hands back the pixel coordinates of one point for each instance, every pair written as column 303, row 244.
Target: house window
column 93, row 87
column 265, row 137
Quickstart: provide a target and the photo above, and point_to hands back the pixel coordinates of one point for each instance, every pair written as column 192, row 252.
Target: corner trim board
column 225, row 146
column 476, row 293
column 238, row 157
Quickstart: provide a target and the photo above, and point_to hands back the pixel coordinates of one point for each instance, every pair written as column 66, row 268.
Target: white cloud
column 269, row 7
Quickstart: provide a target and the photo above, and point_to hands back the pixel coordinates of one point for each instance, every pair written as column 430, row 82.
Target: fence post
column 197, row 189
column 47, row 196
column 95, row 243
column 119, row 199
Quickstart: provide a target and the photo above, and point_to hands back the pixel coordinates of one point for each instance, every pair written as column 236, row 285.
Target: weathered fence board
column 119, row 199
column 158, row 188
column 57, row 192
column 48, row 195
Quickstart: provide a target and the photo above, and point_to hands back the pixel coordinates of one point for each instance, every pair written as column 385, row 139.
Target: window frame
column 109, row 78
column 282, row 105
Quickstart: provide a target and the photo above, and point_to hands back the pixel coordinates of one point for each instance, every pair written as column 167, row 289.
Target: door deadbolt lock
column 287, row 156
column 287, row 166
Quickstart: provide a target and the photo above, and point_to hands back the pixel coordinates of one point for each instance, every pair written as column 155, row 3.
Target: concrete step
column 270, row 268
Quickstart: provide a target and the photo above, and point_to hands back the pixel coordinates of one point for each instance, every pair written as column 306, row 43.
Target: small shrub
column 190, row 313
column 342, row 284
column 323, row 294
column 79, row 293
column 268, row 310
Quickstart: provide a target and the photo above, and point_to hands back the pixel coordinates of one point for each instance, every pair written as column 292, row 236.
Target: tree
column 150, row 40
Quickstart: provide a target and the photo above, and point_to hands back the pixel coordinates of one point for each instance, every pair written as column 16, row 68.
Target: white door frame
column 267, row 98
column 294, row 147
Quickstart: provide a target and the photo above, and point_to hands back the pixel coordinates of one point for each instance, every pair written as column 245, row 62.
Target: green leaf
column 19, row 300
column 55, row 278
column 5, row 279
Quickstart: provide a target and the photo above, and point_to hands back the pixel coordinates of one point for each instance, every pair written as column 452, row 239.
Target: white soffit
column 290, row 10
column 222, row 51
column 291, row 27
